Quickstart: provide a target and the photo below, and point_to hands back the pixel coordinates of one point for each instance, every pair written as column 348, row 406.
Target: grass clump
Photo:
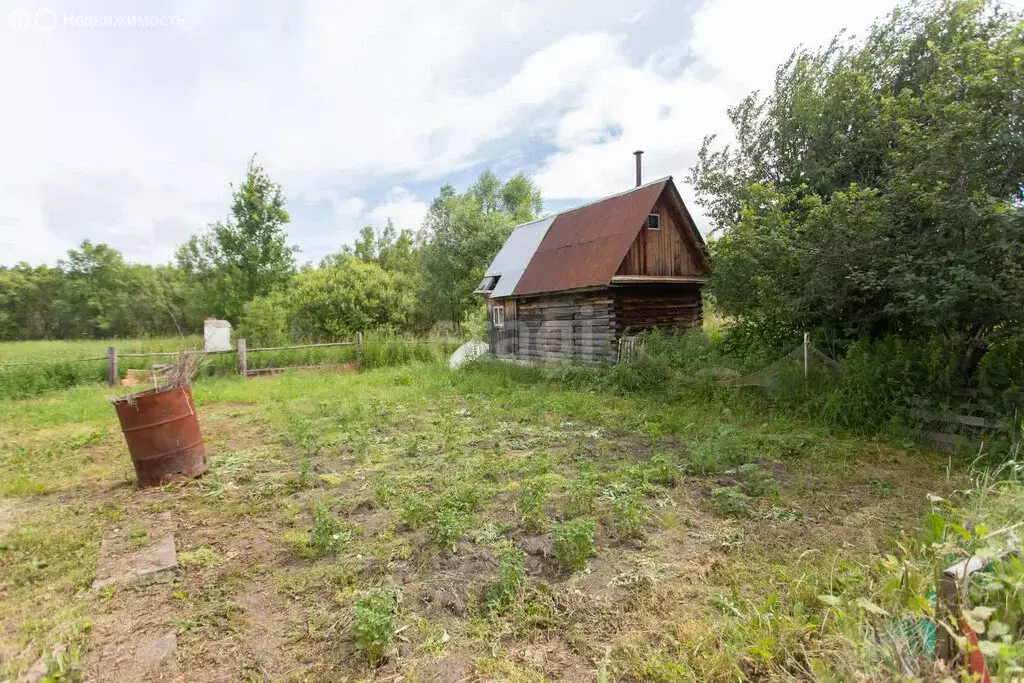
column 503, row 594
column 375, row 621
column 730, row 501
column 629, row 514
column 450, row 525
column 756, row 481
column 531, row 506
column 415, row 511
column 574, row 543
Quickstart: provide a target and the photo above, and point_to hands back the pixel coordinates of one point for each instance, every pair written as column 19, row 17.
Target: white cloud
column 401, row 207
column 132, row 136
column 734, row 47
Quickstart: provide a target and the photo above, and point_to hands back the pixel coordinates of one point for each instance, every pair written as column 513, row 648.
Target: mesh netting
column 769, row 376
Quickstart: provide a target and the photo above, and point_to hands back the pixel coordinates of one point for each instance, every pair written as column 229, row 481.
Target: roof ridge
column 663, row 179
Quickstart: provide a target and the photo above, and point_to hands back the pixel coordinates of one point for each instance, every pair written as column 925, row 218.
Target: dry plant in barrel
column 184, row 368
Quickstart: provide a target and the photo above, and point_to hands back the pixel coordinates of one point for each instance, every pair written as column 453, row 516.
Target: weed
column 582, row 493
column 138, row 537
column 664, row 470
column 416, row 510
column 731, row 539
column 450, row 525
column 574, row 543
column 756, row 481
column 531, row 506
column 501, row 595
column 375, row 621
column 328, row 534
column 629, row 514
column 729, row 501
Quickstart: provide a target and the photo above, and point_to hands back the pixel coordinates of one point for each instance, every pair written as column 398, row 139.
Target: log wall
column 640, row 308
column 566, row 327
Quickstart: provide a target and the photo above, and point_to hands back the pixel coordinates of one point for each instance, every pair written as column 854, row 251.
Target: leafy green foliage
column 730, row 501
column 629, row 514
column 450, row 525
column 875, row 190
column 246, row 255
column 375, row 622
column 574, row 543
column 328, row 534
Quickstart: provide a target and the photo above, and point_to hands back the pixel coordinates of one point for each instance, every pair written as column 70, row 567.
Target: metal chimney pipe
column 638, row 174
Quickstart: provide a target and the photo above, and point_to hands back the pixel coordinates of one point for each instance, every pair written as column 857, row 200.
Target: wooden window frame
column 498, row 316
column 657, row 222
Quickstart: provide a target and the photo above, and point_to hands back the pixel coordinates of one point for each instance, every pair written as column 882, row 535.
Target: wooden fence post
column 112, row 366
column 807, row 343
column 243, row 365
column 359, row 349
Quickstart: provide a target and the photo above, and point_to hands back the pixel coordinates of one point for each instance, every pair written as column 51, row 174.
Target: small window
column 653, row 221
column 498, row 316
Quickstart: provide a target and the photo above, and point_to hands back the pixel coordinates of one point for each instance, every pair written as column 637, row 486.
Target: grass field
column 57, row 365
column 490, row 523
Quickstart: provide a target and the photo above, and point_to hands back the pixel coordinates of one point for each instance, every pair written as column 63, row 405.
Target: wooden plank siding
column 566, row 327
column 643, row 307
column 669, row 250
column 502, row 340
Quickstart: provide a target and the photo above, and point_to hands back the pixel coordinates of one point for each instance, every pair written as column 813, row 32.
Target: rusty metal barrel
column 162, row 432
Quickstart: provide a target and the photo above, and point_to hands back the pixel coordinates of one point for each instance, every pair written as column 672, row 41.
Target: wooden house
column 570, row 286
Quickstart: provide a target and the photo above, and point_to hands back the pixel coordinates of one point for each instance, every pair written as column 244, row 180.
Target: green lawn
column 505, row 525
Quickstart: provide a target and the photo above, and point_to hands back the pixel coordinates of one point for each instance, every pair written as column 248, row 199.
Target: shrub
column 375, row 622
column 504, row 593
column 531, row 506
column 574, row 543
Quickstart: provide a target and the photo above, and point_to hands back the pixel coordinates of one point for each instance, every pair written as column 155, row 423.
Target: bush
column 375, row 622
column 574, row 543
column 265, row 321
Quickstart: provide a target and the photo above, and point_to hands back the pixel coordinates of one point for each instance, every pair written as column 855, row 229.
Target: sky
column 129, row 130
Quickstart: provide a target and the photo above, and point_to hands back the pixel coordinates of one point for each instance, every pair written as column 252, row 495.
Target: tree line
column 243, row 269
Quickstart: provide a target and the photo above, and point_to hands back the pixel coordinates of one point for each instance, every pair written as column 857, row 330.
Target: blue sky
column 128, row 131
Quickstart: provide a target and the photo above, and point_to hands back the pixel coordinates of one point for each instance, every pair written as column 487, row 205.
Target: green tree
column 461, row 235
column 876, row 189
column 349, row 296
column 95, row 292
column 245, row 256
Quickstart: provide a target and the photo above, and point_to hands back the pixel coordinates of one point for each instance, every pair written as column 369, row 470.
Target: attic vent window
column 498, row 316
column 653, row 221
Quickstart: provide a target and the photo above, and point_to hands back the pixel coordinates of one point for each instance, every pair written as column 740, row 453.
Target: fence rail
column 243, row 352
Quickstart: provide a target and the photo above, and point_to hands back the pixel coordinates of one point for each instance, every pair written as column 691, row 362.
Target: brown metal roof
column 584, row 246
